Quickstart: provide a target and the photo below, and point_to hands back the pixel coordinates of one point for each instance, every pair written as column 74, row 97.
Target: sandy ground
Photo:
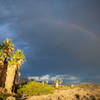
column 76, row 93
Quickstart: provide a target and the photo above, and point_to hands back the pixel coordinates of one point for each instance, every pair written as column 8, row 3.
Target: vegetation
column 6, row 49
column 68, row 92
column 35, row 88
column 10, row 63
column 16, row 57
column 9, row 54
column 3, row 97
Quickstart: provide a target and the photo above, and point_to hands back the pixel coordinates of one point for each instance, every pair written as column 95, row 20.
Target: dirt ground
column 75, row 93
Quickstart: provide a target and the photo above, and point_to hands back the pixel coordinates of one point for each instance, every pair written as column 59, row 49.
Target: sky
column 60, row 38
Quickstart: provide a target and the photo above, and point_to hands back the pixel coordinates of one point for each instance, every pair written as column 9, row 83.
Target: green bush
column 2, row 96
column 35, row 88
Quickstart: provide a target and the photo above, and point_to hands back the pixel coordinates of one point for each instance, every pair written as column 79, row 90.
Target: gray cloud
column 65, row 78
column 56, row 36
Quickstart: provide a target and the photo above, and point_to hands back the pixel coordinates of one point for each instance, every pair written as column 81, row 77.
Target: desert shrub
column 35, row 88
column 92, row 97
column 77, row 96
column 2, row 96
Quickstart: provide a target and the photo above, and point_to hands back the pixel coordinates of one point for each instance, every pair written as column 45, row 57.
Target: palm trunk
column 15, row 78
column 11, row 72
column 11, row 77
column 3, row 69
column 3, row 77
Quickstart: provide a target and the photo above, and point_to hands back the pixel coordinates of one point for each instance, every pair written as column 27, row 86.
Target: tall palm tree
column 10, row 63
column 14, row 65
column 6, row 49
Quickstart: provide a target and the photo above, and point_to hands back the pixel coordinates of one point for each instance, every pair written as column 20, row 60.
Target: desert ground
column 75, row 92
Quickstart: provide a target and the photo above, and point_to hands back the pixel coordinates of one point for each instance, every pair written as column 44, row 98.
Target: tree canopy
column 9, row 54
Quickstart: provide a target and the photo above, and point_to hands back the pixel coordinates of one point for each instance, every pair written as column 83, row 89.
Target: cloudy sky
column 58, row 37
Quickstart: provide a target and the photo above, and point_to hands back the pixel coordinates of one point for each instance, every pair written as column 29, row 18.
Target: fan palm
column 17, row 57
column 2, row 56
column 8, row 46
column 14, row 65
column 10, row 63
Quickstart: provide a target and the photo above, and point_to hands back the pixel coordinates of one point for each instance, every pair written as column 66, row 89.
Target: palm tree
column 10, row 63
column 17, row 58
column 8, row 46
column 14, row 65
column 6, row 49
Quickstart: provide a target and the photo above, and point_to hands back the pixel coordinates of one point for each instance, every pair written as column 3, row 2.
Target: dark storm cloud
column 57, row 36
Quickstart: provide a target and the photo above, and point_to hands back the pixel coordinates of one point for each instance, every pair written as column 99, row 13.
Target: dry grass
column 77, row 92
